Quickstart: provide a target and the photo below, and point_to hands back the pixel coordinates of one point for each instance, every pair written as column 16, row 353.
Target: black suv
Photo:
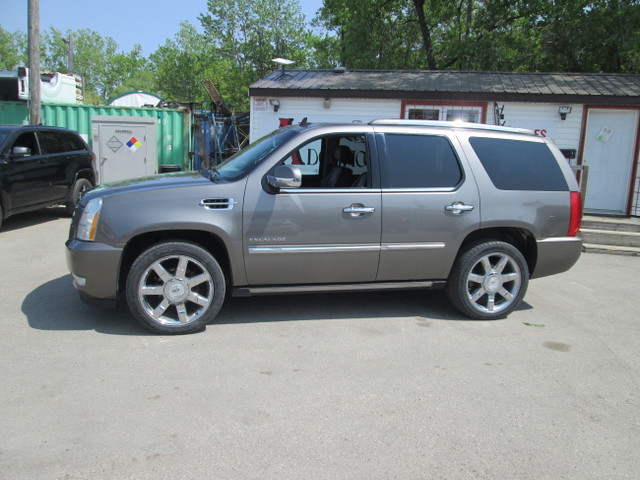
column 42, row 166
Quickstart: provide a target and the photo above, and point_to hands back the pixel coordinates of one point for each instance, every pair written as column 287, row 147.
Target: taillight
column 576, row 214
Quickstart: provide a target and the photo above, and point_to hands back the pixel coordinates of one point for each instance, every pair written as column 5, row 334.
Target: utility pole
column 34, row 62
column 69, row 42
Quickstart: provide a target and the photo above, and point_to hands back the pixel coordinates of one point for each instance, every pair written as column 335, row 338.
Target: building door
column 609, row 146
column 126, row 147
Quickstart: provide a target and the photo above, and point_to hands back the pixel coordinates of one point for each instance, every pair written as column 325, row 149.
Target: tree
column 531, row 35
column 179, row 65
column 13, row 49
column 95, row 58
column 380, row 34
column 247, row 34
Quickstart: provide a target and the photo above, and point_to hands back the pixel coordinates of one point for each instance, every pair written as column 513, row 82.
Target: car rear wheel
column 81, row 186
column 175, row 288
column 488, row 281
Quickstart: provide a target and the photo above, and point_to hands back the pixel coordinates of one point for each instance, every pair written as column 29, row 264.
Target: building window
column 450, row 112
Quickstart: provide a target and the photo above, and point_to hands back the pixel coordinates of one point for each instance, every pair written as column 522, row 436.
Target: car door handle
column 458, row 208
column 357, row 210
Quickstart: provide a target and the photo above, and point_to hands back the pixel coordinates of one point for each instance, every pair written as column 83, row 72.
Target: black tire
column 175, row 288
column 1, row 215
column 81, row 186
column 488, row 280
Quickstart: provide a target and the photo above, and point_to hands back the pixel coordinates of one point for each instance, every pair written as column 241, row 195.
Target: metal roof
column 453, row 85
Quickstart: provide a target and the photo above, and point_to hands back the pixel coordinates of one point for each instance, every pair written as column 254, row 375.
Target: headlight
column 88, row 224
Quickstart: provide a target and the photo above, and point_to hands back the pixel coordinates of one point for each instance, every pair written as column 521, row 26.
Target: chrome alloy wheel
column 493, row 282
column 176, row 290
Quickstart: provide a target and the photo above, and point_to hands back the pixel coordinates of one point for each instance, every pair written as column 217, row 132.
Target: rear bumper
column 557, row 255
column 94, row 267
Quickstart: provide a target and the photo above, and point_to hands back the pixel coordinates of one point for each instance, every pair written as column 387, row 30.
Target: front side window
column 332, row 161
column 519, row 165
column 27, row 140
column 420, row 161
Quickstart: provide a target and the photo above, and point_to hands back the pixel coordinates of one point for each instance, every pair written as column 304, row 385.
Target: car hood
column 155, row 182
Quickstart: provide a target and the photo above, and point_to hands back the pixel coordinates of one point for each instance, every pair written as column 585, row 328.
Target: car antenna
column 304, row 122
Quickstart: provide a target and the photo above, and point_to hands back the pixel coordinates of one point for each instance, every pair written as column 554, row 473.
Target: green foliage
column 521, row 35
column 237, row 40
column 13, row 49
column 95, row 58
column 245, row 35
column 179, row 66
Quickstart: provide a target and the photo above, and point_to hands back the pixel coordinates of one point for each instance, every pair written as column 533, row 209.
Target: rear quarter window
column 72, row 142
column 519, row 164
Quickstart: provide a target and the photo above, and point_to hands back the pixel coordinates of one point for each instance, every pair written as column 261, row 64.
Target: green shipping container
column 173, row 125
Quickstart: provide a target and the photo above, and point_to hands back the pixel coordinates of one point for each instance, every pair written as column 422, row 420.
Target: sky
column 146, row 22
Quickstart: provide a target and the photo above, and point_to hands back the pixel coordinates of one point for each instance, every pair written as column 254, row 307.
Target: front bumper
column 94, row 267
column 557, row 255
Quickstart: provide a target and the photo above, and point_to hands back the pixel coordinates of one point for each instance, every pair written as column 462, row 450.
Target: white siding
column 545, row 119
column 635, row 200
column 340, row 110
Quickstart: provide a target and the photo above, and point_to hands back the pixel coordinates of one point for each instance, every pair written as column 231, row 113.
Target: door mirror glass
column 20, row 152
column 285, row 176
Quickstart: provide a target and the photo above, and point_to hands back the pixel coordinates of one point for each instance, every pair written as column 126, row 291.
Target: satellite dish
column 283, row 62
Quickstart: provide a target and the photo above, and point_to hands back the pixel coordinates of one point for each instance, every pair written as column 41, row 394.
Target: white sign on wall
column 260, row 105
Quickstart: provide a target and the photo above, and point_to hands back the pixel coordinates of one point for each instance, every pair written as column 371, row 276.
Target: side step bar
column 342, row 287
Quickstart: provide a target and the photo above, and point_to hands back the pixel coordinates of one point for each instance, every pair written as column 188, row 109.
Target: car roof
column 455, row 125
column 11, row 128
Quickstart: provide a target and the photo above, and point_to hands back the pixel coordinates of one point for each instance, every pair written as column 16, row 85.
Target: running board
column 342, row 287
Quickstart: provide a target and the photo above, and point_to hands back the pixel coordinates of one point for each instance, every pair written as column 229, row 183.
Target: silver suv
column 314, row 208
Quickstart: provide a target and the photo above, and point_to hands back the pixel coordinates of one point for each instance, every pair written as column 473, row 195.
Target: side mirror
column 285, row 176
column 20, row 152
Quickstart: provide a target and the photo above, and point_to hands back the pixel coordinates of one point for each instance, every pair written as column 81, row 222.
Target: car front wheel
column 175, row 288
column 488, row 281
column 81, row 186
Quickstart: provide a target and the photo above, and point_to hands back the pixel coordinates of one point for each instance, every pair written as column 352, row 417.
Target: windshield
column 3, row 135
column 244, row 161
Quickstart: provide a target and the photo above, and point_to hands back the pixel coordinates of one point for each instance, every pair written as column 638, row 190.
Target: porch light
column 563, row 111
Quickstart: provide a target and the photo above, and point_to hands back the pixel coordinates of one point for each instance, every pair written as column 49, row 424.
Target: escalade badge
column 267, row 239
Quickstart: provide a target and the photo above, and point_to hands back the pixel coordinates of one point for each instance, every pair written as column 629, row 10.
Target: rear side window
column 519, row 165
column 420, row 161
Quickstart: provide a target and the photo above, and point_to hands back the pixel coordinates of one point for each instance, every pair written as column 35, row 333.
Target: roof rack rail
column 450, row 124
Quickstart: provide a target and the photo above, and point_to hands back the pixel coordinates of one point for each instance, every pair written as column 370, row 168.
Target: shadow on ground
column 30, row 219
column 56, row 305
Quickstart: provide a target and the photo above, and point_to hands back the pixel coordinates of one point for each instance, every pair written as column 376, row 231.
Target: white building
column 593, row 118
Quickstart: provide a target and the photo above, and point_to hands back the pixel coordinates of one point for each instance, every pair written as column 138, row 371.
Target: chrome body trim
column 413, row 246
column 311, row 248
column 257, row 249
column 218, row 203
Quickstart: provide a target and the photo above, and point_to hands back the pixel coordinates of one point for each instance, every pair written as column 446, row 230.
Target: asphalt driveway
column 340, row 386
